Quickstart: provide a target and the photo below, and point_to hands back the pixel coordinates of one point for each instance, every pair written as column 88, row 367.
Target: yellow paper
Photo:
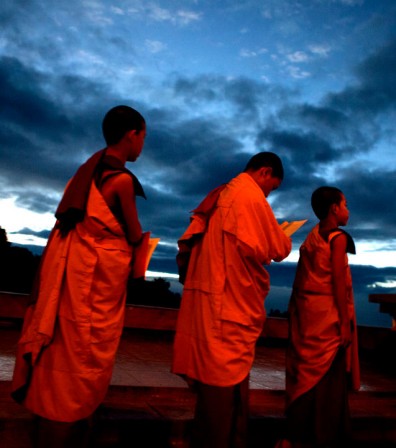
column 290, row 227
column 142, row 255
column 151, row 247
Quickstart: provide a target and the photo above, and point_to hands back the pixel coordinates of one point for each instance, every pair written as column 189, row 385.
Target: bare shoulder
column 123, row 178
column 120, row 182
column 338, row 241
column 118, row 187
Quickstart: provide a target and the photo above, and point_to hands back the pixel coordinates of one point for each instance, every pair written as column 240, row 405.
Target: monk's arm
column 123, row 189
column 280, row 243
column 338, row 250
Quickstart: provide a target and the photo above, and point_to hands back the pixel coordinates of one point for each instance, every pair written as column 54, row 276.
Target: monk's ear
column 128, row 135
column 333, row 208
column 131, row 135
column 266, row 171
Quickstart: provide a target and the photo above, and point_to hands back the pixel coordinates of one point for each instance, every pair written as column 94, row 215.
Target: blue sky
column 216, row 81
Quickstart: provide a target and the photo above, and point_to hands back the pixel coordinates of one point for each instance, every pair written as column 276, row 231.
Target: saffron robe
column 222, row 310
column 314, row 319
column 67, row 350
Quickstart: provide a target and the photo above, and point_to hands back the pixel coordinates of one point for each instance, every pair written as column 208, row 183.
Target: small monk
column 72, row 329
column 322, row 357
column 232, row 234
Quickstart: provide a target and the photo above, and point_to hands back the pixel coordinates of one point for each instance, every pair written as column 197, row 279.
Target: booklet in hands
column 290, row 227
column 142, row 255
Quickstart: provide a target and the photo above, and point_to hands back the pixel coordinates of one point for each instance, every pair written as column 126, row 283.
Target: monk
column 323, row 350
column 232, row 234
column 71, row 332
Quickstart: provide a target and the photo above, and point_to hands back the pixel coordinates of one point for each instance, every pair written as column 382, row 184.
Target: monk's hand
column 346, row 334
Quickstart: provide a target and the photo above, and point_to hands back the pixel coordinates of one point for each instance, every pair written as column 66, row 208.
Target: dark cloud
column 239, row 102
column 370, row 198
column 63, row 72
column 300, row 147
column 27, row 231
column 375, row 89
column 48, row 125
column 36, row 200
column 184, row 157
column 25, row 107
column 38, row 130
column 323, row 144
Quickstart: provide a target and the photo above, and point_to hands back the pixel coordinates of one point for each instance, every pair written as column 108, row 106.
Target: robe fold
column 314, row 320
column 67, row 350
column 222, row 310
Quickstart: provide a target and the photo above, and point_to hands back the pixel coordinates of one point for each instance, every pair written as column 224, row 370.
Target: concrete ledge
column 13, row 306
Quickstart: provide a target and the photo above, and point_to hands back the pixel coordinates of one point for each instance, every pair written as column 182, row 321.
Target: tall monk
column 72, row 329
column 323, row 339
column 232, row 234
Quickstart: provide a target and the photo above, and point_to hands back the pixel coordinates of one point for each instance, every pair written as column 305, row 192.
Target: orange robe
column 314, row 319
column 71, row 333
column 222, row 311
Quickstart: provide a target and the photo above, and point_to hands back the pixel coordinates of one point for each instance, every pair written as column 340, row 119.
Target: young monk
column 232, row 234
column 71, row 332
column 323, row 338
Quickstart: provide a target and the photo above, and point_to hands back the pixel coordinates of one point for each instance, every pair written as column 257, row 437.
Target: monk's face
column 267, row 181
column 341, row 211
column 136, row 140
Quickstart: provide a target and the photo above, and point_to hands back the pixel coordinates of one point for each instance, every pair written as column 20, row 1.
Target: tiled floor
column 144, row 359
column 155, row 396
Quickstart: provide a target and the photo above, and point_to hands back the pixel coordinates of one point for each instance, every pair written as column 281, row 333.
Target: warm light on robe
column 314, row 320
column 222, row 311
column 75, row 327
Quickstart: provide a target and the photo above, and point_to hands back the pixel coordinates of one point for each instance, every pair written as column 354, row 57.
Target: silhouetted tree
column 3, row 239
column 278, row 313
column 18, row 266
column 152, row 293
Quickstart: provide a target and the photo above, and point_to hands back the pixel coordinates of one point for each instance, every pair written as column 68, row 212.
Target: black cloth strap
column 72, row 206
column 351, row 248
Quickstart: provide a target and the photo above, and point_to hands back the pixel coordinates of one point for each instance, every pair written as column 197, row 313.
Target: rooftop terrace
column 148, row 406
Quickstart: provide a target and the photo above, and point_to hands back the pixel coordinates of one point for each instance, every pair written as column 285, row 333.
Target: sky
column 217, row 81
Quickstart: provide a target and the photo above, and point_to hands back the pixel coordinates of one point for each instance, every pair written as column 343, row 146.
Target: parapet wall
column 382, row 340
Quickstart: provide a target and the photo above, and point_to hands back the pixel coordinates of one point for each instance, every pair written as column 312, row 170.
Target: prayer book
column 152, row 244
column 290, row 227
